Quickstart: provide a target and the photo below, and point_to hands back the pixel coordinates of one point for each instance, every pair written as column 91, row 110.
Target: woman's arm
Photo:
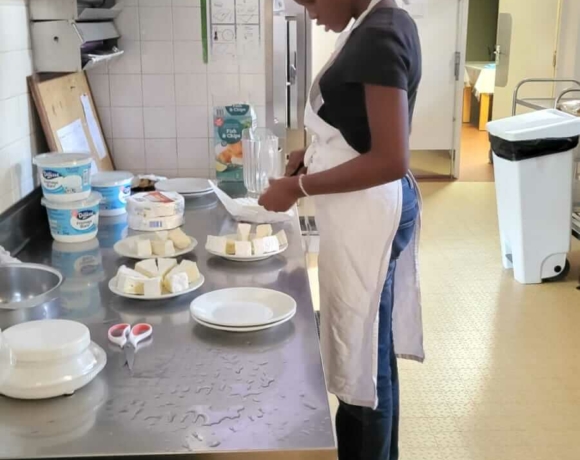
column 387, row 161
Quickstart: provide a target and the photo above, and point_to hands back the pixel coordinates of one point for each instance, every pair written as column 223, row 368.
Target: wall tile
column 128, row 23
column 15, row 66
column 159, row 122
column 193, row 154
column 160, row 154
column 197, row 173
column 126, row 91
column 14, row 28
column 190, row 3
column 130, row 61
column 154, row 3
column 156, row 24
column 127, row 122
column 192, row 122
column 191, row 89
column 189, row 57
column 100, row 89
column 187, row 24
column 158, row 90
column 157, row 57
column 129, row 154
column 253, row 87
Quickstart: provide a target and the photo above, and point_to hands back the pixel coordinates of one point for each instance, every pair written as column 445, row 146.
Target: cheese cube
column 147, row 268
column 263, row 230
column 132, row 285
column 164, row 266
column 190, row 268
column 152, row 286
column 216, row 244
column 179, row 238
column 144, row 248
column 271, row 244
column 243, row 248
column 177, row 282
column 163, row 235
column 231, row 247
column 282, row 238
column 244, row 232
column 163, row 248
column 258, row 245
column 125, row 273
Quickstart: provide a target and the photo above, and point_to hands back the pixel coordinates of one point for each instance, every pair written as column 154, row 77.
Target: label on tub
column 73, row 222
column 59, row 181
column 114, row 197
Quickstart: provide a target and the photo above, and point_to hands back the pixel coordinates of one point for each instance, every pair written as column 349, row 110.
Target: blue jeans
column 363, row 433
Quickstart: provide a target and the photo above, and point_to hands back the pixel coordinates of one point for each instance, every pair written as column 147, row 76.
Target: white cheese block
column 263, row 230
column 271, row 244
column 148, row 268
column 163, row 235
column 155, row 204
column 258, row 245
column 177, row 282
column 231, row 247
column 152, row 287
column 125, row 273
column 151, row 224
column 243, row 249
column 282, row 238
column 244, row 232
column 216, row 244
column 179, row 238
column 165, row 266
column 144, row 248
column 190, row 268
column 132, row 285
column 163, row 248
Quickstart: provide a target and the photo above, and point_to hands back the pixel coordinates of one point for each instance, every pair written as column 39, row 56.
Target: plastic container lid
column 47, row 160
column 110, row 178
column 45, row 340
column 543, row 124
column 92, row 200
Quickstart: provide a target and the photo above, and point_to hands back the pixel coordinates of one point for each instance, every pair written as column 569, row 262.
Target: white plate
column 247, row 259
column 125, row 247
column 243, row 329
column 243, row 307
column 43, row 382
column 185, row 186
column 192, row 287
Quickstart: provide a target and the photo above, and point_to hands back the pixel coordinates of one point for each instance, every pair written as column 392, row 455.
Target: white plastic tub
column 115, row 187
column 74, row 222
column 65, row 177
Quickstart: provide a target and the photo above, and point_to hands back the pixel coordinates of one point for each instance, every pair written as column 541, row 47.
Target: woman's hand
column 281, row 195
column 295, row 164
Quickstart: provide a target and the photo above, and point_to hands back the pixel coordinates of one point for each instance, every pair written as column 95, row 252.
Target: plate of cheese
column 157, row 279
column 248, row 246
column 172, row 243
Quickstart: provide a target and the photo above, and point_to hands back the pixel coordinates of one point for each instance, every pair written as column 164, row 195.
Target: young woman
column 367, row 211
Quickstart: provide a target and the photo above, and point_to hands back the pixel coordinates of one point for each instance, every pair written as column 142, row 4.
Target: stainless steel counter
column 195, row 391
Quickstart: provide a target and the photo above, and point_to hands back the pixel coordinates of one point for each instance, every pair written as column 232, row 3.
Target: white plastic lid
column 62, row 160
column 92, row 200
column 110, row 178
column 543, row 124
column 44, row 340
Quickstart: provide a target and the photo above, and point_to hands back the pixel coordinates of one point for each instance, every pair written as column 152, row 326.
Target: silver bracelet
column 300, row 177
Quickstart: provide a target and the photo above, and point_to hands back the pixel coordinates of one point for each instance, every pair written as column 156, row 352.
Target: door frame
column 462, row 21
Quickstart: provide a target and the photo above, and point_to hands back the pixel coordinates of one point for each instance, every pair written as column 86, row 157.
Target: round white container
column 65, row 177
column 74, row 222
column 115, row 187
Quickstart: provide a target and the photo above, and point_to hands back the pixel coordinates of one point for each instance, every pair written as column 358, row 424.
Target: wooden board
column 58, row 102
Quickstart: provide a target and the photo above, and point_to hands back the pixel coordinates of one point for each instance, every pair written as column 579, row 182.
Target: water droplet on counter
column 214, row 444
column 309, row 405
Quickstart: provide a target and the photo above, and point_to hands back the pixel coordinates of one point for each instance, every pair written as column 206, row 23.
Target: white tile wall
column 18, row 126
column 155, row 103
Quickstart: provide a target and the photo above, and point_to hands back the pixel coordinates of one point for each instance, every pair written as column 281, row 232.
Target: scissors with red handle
column 127, row 338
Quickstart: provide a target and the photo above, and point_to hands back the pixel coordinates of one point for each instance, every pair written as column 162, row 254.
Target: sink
column 27, row 285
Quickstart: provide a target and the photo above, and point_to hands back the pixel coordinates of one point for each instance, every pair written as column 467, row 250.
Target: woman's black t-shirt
column 383, row 50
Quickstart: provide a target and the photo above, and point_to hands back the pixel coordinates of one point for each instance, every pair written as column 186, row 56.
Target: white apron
column 356, row 234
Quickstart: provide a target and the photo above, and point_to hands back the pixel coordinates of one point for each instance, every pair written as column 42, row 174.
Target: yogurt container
column 74, row 222
column 65, row 177
column 115, row 187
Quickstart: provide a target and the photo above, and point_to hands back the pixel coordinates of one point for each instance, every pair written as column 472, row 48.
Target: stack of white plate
column 243, row 309
column 51, row 358
column 188, row 187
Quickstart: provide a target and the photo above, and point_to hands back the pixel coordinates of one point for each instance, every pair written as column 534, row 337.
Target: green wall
column 481, row 29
